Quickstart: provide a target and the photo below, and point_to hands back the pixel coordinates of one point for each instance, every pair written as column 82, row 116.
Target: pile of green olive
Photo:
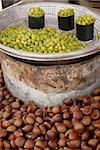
column 46, row 40
column 36, row 11
column 85, row 20
column 66, row 12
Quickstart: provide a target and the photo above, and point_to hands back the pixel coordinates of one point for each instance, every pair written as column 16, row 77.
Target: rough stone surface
column 52, row 83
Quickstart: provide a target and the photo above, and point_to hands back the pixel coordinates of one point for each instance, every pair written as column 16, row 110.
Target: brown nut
column 98, row 147
column 37, row 148
column 79, row 127
column 42, row 128
column 96, row 123
column 96, row 91
column 56, row 109
column 95, row 114
column 39, row 119
column 30, row 135
column 29, row 144
column 6, row 144
column 12, row 143
column 6, row 124
column 86, row 109
column 40, row 144
column 6, row 114
column 38, row 112
column 67, row 123
column 64, row 108
column 27, row 128
column 73, row 135
column 19, row 141
column 66, row 115
column 18, row 133
column 36, row 131
column 3, row 132
column 74, row 144
column 52, row 144
column 62, row 142
column 93, row 142
column 68, row 101
column 30, row 119
column 31, row 107
column 15, row 105
column 85, row 135
column 96, row 98
column 11, row 136
column 77, row 114
column 57, row 118
column 86, row 120
column 97, row 133
column 60, row 127
column 18, row 122
column 96, row 105
column 11, row 128
column 47, row 125
column 51, row 134
column 84, row 146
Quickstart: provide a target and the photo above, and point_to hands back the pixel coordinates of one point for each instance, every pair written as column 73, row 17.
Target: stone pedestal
column 49, row 85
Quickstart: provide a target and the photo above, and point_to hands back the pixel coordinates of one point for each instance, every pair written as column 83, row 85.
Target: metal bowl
column 15, row 15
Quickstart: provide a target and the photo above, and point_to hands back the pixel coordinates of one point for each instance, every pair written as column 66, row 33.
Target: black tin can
column 36, row 22
column 85, row 32
column 66, row 23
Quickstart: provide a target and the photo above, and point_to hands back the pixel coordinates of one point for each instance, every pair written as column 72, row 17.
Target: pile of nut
column 73, row 125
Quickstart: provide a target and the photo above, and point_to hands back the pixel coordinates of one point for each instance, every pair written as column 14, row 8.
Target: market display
column 74, row 124
column 46, row 40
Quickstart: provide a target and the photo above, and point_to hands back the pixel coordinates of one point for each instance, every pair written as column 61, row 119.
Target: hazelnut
column 6, row 124
column 19, row 141
column 18, row 133
column 62, row 142
column 93, row 142
column 12, row 143
column 98, row 147
column 39, row 119
column 73, row 135
column 30, row 135
column 86, row 120
column 18, row 122
column 79, row 127
column 96, row 91
column 96, row 123
column 29, row 144
column 96, row 98
column 37, row 148
column 77, row 114
column 67, row 123
column 11, row 128
column 40, row 144
column 30, row 119
column 74, row 144
column 11, row 136
column 27, row 128
column 95, row 114
column 52, row 144
column 86, row 109
column 31, row 107
column 57, row 118
column 68, row 101
column 15, row 105
column 3, row 132
column 64, row 108
column 97, row 133
column 38, row 112
column 42, row 128
column 36, row 131
column 6, row 144
column 95, row 105
column 60, row 127
column 85, row 135
column 51, row 134
column 66, row 115
column 6, row 114
column 47, row 125
column 56, row 109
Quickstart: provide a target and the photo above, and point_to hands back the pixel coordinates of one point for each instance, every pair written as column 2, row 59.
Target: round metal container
column 16, row 14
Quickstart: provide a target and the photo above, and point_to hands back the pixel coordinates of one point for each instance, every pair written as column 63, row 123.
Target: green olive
column 85, row 20
column 36, row 12
column 66, row 12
